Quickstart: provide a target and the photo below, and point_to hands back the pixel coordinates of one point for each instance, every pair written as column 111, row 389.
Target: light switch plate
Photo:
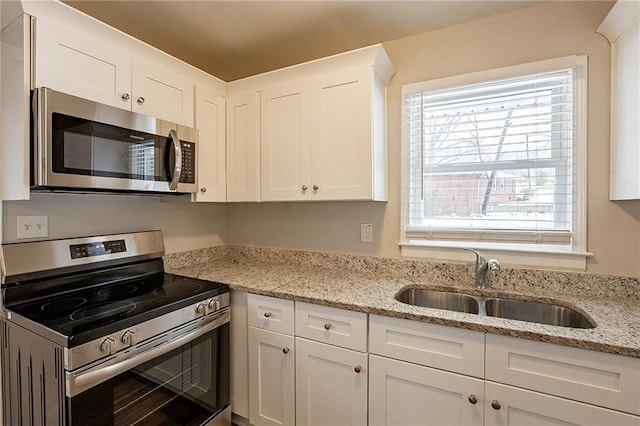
column 33, row 227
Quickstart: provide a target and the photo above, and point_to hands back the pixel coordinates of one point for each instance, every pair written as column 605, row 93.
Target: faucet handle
column 493, row 265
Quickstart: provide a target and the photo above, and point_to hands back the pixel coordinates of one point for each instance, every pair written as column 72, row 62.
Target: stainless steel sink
column 438, row 299
column 542, row 313
column 521, row 310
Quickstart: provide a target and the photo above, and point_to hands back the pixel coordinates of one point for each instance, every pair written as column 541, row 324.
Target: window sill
column 539, row 257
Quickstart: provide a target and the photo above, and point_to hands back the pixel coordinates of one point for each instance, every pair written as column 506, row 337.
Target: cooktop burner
column 86, row 314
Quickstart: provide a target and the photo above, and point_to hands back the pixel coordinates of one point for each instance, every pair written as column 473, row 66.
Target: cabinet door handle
column 473, row 399
column 125, row 96
column 304, row 187
column 285, row 350
column 495, row 404
column 327, row 326
column 316, row 187
column 203, row 190
column 267, row 314
column 140, row 100
column 357, row 369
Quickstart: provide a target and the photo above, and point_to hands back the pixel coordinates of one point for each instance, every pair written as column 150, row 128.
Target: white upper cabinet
column 158, row 92
column 622, row 28
column 81, row 65
column 285, row 142
column 243, row 145
column 100, row 70
column 210, row 122
column 323, row 128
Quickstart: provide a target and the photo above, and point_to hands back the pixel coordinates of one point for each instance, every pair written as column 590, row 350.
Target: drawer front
column 270, row 313
column 598, row 378
column 334, row 326
column 438, row 346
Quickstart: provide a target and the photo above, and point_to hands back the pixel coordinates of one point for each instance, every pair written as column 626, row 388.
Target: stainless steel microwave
column 83, row 145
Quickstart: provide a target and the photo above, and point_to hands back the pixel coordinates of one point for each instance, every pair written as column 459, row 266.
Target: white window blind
column 492, row 161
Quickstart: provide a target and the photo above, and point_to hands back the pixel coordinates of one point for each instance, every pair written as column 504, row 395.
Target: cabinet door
column 408, row 394
column 285, row 142
column 506, row 405
column 243, row 149
column 210, row 122
column 342, row 141
column 331, row 385
column 160, row 93
column 271, row 378
column 79, row 65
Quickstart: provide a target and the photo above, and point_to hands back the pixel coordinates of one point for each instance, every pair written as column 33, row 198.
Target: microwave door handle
column 177, row 168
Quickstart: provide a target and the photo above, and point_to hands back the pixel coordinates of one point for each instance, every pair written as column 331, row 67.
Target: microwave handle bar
column 79, row 382
column 177, row 168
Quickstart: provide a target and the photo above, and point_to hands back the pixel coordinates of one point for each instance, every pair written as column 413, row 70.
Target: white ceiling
column 234, row 39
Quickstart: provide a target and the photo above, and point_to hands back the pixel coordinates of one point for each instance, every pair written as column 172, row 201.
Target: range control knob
column 214, row 304
column 201, row 309
column 129, row 338
column 108, row 346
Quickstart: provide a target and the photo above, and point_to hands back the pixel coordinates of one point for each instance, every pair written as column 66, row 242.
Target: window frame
column 571, row 257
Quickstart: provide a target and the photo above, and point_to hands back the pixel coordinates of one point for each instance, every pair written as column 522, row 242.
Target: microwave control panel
column 188, row 162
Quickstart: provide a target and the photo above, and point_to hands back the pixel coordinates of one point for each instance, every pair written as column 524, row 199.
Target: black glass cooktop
column 87, row 314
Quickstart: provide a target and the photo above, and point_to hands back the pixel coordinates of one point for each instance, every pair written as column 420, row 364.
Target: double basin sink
column 521, row 310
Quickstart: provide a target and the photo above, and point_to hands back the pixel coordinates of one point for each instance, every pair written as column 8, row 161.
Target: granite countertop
column 616, row 312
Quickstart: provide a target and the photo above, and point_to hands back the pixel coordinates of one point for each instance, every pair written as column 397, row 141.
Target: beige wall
column 185, row 225
column 543, row 31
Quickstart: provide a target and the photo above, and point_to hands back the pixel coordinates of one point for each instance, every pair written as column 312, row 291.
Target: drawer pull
column 495, row 404
column 285, row 350
column 357, row 369
column 327, row 326
column 267, row 314
column 473, row 399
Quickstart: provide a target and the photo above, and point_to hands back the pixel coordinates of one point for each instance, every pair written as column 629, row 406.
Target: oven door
column 187, row 385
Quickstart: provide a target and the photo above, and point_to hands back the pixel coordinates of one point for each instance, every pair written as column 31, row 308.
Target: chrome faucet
column 482, row 269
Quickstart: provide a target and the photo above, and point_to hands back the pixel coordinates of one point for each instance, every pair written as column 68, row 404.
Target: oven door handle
column 79, row 382
column 177, row 168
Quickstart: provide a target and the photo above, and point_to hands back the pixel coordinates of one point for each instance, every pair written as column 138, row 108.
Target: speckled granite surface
column 369, row 285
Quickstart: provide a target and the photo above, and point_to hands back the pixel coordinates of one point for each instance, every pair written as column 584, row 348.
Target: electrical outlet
column 366, row 233
column 33, row 226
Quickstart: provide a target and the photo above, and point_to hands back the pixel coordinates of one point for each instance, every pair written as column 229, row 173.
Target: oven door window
column 187, row 386
column 84, row 147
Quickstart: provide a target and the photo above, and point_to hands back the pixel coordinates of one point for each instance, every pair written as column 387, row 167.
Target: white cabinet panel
column 210, row 122
column 334, row 326
column 271, row 313
column 162, row 94
column 509, row 406
column 243, row 147
column 285, row 142
column 342, row 144
column 598, row 378
column 239, row 339
column 331, row 385
column 406, row 394
column 272, row 380
column 80, row 65
column 448, row 348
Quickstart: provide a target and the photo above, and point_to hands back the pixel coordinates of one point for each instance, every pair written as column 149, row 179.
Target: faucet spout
column 482, row 268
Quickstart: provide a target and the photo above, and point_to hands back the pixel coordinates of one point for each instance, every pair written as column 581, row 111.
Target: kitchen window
column 496, row 160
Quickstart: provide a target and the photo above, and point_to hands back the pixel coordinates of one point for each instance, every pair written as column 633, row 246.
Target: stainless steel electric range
column 94, row 332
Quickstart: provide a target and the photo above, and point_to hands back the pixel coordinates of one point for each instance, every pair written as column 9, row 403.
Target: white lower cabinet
column 331, row 385
column 508, row 405
column 417, row 373
column 271, row 378
column 401, row 393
